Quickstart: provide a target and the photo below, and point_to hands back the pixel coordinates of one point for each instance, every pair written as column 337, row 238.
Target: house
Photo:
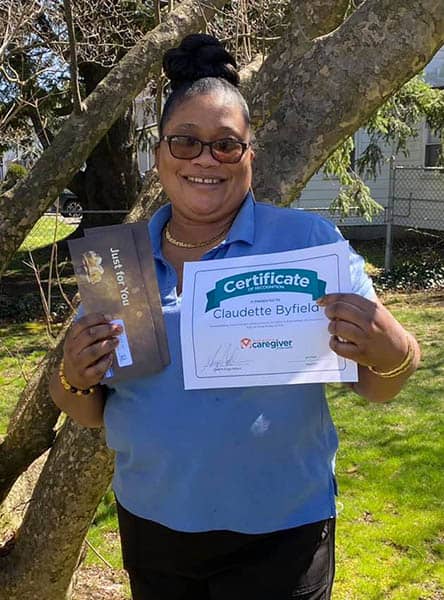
column 415, row 186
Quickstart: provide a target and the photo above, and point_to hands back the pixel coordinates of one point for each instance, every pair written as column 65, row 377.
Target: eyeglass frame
column 167, row 139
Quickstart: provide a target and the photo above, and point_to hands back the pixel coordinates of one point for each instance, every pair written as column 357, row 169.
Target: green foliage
column 397, row 120
column 418, row 262
column 369, row 163
column 393, row 124
column 14, row 174
column 22, row 308
column 354, row 196
column 356, row 199
column 339, row 163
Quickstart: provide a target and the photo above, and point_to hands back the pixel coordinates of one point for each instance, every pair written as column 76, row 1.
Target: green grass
column 47, row 230
column 390, row 528
column 389, row 467
column 22, row 346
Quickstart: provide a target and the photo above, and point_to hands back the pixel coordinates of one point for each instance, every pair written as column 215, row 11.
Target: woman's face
column 208, row 117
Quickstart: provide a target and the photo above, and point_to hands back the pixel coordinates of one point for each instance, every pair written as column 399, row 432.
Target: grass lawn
column 390, row 527
column 48, row 229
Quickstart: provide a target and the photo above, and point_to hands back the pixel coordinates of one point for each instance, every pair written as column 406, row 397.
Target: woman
column 210, row 508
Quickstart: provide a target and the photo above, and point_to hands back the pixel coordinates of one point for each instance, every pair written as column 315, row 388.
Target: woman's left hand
column 364, row 331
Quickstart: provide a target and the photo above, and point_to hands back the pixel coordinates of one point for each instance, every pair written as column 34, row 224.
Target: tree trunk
column 337, row 85
column 73, row 480
column 307, row 21
column 112, row 178
column 26, row 202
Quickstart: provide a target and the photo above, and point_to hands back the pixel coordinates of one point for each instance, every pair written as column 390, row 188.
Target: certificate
column 254, row 320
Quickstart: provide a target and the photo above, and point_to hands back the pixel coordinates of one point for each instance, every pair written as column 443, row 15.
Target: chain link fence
column 412, row 221
column 415, row 202
column 418, row 198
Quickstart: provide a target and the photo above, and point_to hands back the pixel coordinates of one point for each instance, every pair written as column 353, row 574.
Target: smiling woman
column 212, row 505
column 206, row 189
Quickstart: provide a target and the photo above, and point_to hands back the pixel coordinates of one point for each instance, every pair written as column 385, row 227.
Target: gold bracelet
column 70, row 388
column 400, row 369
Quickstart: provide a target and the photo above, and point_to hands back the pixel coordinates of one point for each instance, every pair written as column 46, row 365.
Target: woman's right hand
column 88, row 350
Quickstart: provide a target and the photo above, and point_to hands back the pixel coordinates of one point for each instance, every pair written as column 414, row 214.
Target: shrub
column 422, row 274
column 15, row 172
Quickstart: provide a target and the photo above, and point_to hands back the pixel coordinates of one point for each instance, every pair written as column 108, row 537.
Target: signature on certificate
column 226, row 357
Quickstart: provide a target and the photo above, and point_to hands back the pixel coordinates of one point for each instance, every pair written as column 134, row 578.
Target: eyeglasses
column 187, row 147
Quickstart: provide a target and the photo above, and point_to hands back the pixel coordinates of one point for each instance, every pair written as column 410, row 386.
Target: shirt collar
column 242, row 229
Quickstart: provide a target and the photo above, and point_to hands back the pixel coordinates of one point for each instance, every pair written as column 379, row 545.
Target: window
column 432, row 148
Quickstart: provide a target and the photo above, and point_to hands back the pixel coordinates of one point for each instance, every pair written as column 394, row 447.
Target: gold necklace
column 179, row 244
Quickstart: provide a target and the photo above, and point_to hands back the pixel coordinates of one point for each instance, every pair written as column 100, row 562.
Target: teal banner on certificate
column 259, row 282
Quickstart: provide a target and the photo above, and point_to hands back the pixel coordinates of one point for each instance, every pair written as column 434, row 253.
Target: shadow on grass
column 25, row 338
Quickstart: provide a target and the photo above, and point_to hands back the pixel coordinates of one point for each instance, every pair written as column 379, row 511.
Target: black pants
column 164, row 564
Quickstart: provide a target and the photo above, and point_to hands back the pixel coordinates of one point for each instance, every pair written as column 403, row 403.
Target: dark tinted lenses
column 183, row 146
column 187, row 147
column 227, row 150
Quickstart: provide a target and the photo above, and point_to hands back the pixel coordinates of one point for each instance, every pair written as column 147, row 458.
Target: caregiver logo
column 259, row 282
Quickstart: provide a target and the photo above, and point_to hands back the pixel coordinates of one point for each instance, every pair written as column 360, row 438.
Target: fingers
column 89, row 330
column 345, row 349
column 89, row 349
column 97, row 370
column 354, row 299
column 349, row 307
column 345, row 330
column 84, row 323
column 95, row 352
column 364, row 330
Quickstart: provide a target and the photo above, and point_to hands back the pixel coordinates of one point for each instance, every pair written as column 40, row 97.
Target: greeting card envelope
column 148, row 270
column 111, row 281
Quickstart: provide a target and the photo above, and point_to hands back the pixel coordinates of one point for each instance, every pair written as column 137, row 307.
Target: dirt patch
column 98, row 583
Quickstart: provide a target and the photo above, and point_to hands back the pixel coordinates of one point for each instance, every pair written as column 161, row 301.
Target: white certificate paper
column 254, row 320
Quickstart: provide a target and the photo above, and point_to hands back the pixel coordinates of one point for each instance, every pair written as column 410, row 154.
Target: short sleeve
column 80, row 312
column 360, row 281
column 325, row 232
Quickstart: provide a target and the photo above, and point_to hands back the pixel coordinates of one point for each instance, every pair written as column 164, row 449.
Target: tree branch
column 308, row 20
column 326, row 95
column 25, row 203
column 75, row 88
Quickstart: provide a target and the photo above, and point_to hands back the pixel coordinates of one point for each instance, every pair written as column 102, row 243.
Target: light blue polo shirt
column 252, row 460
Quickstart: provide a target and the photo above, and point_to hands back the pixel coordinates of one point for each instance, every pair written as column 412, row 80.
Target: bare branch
column 21, row 206
column 15, row 21
column 75, row 88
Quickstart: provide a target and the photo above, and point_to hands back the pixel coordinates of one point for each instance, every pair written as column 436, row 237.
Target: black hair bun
column 198, row 56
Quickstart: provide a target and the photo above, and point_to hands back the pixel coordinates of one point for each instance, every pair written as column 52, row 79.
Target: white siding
column 434, row 71
column 320, row 190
